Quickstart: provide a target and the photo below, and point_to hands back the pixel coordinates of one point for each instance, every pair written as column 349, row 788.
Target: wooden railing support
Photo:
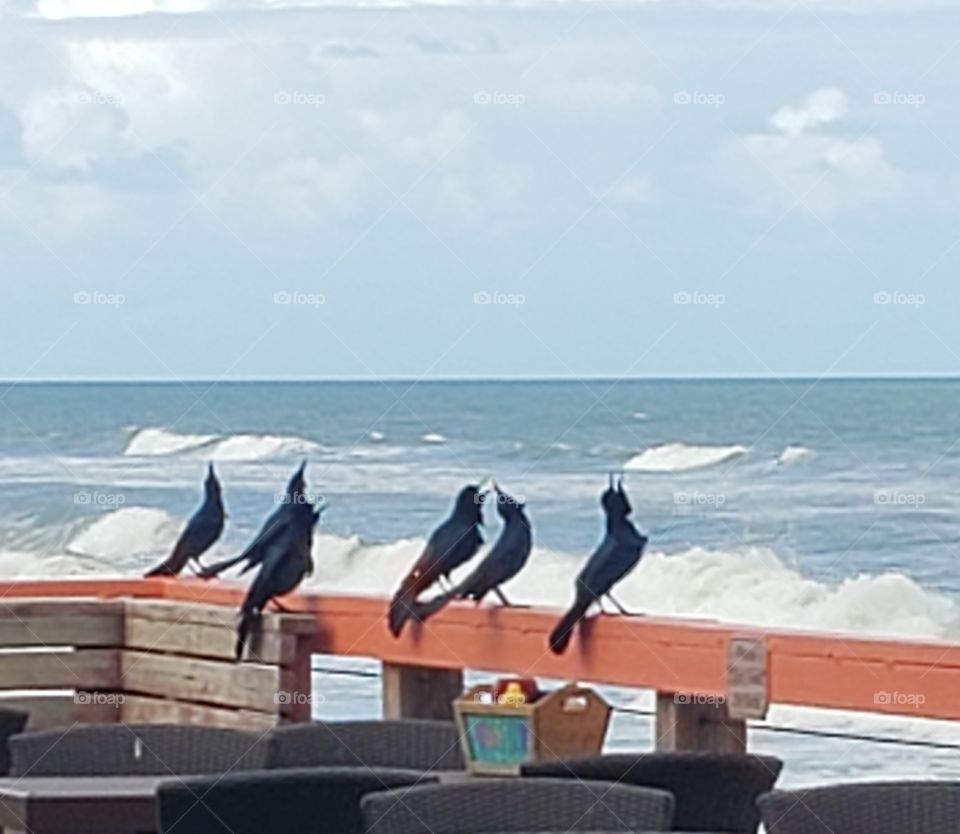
column 689, row 722
column 420, row 691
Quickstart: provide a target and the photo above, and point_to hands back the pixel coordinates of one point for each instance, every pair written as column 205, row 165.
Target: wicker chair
column 276, row 801
column 415, row 745
column 122, row 749
column 873, row 808
column 12, row 721
column 713, row 792
column 485, row 806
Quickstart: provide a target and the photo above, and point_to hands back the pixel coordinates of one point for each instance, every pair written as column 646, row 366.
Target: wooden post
column 692, row 722
column 420, row 692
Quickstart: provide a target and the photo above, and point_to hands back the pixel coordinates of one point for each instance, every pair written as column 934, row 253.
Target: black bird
column 454, row 542
column 617, row 555
column 286, row 560
column 272, row 527
column 504, row 561
column 202, row 531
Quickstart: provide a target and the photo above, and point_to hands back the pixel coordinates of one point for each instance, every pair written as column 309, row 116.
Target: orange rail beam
column 920, row 679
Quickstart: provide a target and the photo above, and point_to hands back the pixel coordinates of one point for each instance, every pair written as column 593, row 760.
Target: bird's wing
column 593, row 576
column 502, row 563
column 273, row 527
column 455, row 544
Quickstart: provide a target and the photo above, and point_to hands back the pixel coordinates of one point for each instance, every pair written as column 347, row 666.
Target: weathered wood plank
column 63, row 710
column 216, row 615
column 201, row 639
column 66, row 629
column 60, row 669
column 138, row 709
column 244, row 685
column 25, row 607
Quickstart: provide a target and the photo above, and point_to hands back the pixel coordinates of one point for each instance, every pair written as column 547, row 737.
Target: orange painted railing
column 907, row 677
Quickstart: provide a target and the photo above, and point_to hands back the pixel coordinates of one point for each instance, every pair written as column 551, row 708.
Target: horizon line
column 801, row 377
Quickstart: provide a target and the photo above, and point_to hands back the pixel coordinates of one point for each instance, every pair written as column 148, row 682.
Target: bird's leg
column 599, row 602
column 443, row 582
column 279, row 607
column 503, row 598
column 620, row 608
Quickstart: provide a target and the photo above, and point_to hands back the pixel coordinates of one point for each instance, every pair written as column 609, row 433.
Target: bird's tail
column 217, row 568
column 401, row 609
column 424, row 610
column 560, row 636
column 249, row 619
column 163, row 569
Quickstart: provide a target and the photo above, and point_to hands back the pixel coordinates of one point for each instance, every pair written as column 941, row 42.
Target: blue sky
column 197, row 188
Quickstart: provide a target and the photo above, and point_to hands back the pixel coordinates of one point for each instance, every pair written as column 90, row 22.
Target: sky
column 212, row 189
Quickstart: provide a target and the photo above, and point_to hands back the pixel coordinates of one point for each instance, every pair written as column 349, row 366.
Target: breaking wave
column 696, row 582
column 679, row 457
column 155, row 442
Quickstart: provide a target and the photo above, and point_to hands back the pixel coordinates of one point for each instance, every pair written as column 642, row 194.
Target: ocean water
column 826, row 505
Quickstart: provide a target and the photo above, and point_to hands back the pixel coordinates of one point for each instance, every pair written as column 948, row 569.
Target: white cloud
column 64, row 9
column 798, row 165
column 71, row 127
column 821, row 108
